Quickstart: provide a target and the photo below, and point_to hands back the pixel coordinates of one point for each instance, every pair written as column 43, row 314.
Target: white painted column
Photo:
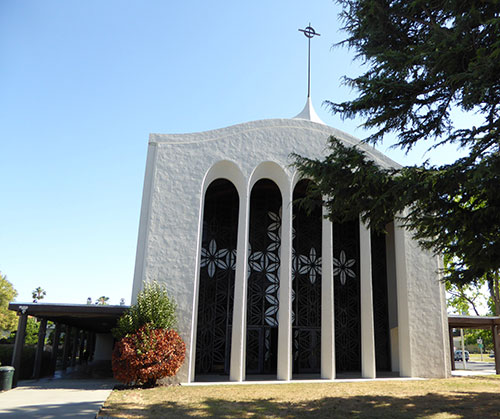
column 368, row 366
column 238, row 338
column 285, row 292
column 392, row 296
column 405, row 369
column 327, row 308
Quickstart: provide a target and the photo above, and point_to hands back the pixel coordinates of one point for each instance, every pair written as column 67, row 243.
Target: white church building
column 265, row 290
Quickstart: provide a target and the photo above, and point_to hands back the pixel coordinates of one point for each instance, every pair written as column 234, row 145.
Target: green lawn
column 471, row 397
column 477, row 357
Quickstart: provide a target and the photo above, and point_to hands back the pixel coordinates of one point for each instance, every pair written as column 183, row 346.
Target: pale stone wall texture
column 169, row 240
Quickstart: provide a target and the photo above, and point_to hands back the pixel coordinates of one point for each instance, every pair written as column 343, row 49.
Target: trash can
column 6, row 376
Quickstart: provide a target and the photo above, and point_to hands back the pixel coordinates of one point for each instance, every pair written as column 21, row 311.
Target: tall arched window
column 380, row 302
column 217, row 270
column 306, row 285
column 347, row 296
column 263, row 278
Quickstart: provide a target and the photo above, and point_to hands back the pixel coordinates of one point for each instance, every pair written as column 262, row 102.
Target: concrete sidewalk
column 56, row 398
column 474, row 368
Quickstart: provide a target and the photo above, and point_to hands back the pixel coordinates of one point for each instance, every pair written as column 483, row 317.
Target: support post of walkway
column 19, row 345
column 83, row 335
column 495, row 330
column 285, row 294
column 66, row 347
column 92, row 346
column 327, row 307
column 88, row 346
column 42, row 331
column 75, row 346
column 368, row 363
column 452, row 352
column 55, row 348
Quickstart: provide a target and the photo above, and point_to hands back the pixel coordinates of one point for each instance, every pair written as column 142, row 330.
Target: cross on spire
column 309, row 32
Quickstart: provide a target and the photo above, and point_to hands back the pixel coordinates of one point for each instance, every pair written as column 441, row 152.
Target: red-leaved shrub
column 147, row 355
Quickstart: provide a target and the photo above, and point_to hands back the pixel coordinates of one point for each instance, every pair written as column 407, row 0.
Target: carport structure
column 476, row 322
column 79, row 322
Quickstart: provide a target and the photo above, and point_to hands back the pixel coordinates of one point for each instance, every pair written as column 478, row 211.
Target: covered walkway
column 476, row 322
column 80, row 324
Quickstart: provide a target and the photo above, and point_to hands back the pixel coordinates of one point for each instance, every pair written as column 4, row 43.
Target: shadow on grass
column 457, row 405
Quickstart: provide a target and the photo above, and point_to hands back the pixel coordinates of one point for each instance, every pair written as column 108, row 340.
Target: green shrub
column 148, row 348
column 31, row 334
column 27, row 360
column 153, row 307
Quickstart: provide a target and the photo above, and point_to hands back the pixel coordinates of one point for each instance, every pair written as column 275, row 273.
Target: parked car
column 458, row 355
column 492, row 354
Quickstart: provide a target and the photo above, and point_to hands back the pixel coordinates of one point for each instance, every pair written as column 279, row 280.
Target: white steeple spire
column 308, row 112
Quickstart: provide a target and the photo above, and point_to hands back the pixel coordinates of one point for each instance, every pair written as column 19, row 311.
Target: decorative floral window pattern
column 217, row 270
column 347, row 296
column 263, row 278
column 306, row 286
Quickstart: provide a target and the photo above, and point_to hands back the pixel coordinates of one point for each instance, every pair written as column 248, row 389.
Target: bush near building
column 149, row 348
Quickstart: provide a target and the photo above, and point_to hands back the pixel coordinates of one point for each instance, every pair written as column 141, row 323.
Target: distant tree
column 472, row 335
column 32, row 327
column 494, row 287
column 468, row 298
column 102, row 301
column 463, row 299
column 8, row 318
column 38, row 294
column 31, row 333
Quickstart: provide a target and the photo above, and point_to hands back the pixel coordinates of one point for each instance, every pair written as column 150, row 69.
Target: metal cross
column 309, row 32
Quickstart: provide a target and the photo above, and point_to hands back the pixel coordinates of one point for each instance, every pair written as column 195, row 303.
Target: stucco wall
column 427, row 310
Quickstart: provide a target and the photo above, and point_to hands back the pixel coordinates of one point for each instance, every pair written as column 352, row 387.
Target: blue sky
column 83, row 83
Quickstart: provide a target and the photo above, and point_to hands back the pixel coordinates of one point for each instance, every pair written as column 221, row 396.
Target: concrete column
column 327, row 308
column 103, row 347
column 42, row 331
column 92, row 346
column 237, row 366
column 405, row 368
column 19, row 345
column 82, row 346
column 55, row 348
column 74, row 351
column 285, row 292
column 66, row 347
column 452, row 352
column 392, row 296
column 88, row 346
column 368, row 365
column 495, row 330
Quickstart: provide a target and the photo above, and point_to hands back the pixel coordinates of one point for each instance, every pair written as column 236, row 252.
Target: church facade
column 265, row 289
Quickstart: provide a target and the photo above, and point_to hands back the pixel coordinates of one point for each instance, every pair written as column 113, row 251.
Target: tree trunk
column 495, row 293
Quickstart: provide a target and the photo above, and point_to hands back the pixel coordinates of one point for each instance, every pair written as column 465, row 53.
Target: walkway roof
column 96, row 318
column 473, row 322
